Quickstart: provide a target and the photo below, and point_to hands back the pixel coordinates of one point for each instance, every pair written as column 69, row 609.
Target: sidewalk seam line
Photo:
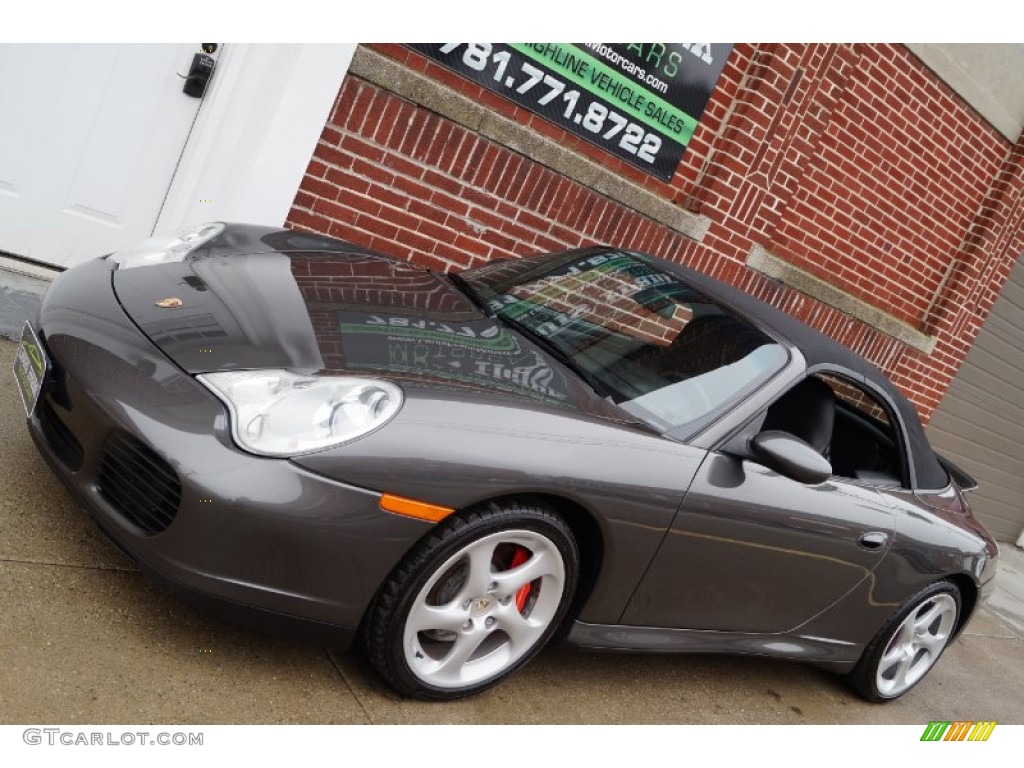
column 31, row 561
column 351, row 690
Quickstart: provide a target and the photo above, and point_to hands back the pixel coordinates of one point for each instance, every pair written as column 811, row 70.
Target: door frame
column 255, row 133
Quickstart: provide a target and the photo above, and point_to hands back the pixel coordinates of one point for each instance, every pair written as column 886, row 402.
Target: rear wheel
column 474, row 602
column 908, row 646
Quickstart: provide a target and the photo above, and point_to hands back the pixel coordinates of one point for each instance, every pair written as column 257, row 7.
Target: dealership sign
column 639, row 101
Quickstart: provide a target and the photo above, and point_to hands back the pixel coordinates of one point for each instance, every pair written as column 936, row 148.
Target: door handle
column 874, row 540
column 199, row 75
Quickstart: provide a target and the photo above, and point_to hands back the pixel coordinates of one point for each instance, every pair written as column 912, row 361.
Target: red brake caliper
column 521, row 556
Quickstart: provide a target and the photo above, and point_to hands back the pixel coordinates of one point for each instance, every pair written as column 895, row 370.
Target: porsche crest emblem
column 481, row 605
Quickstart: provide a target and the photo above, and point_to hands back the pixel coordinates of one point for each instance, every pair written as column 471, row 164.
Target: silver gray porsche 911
column 451, row 470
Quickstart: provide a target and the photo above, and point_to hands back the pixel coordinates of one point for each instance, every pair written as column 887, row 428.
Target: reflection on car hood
column 311, row 304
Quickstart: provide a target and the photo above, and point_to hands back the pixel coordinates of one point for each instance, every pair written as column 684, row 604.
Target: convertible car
column 450, row 470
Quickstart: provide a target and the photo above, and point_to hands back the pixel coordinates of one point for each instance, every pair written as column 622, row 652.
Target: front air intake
column 138, row 483
column 62, row 442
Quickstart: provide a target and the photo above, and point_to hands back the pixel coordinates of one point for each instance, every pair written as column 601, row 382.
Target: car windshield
column 652, row 344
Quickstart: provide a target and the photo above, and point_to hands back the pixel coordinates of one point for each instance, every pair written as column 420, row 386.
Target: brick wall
column 852, row 162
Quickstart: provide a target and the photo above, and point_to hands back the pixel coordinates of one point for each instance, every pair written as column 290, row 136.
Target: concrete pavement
column 84, row 638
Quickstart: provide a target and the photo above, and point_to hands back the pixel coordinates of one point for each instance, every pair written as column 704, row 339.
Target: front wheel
column 906, row 649
column 473, row 602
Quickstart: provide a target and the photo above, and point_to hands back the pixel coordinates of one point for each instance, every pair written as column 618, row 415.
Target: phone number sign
column 638, row 101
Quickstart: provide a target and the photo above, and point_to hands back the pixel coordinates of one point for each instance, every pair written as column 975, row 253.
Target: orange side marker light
column 400, row 505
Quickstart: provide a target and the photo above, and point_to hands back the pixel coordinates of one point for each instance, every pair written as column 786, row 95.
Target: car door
column 750, row 550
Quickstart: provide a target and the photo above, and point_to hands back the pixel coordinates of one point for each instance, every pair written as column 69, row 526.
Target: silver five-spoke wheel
column 916, row 644
column 484, row 608
column 904, row 651
column 476, row 600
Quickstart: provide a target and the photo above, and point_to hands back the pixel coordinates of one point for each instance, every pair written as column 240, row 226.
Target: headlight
column 162, row 250
column 278, row 413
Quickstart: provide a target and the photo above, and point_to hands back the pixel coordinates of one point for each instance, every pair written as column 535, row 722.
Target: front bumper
column 263, row 539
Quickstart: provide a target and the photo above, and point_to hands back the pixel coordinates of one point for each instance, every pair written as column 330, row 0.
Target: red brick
column 436, row 142
column 307, row 220
column 402, row 165
column 443, row 182
column 321, row 188
column 303, row 200
column 499, row 104
column 345, row 181
column 412, row 188
column 344, row 102
column 360, row 111
column 449, row 203
column 377, row 226
column 332, row 156
column 423, row 209
column 316, row 169
column 387, row 195
column 335, row 211
column 435, row 231
column 352, row 145
column 392, row 50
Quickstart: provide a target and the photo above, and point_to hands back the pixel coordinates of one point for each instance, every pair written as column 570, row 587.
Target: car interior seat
column 705, row 343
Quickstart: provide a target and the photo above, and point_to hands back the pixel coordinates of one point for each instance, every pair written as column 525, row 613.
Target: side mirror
column 790, row 456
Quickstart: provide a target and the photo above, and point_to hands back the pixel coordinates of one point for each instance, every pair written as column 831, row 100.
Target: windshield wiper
column 462, row 286
column 600, row 389
column 559, row 354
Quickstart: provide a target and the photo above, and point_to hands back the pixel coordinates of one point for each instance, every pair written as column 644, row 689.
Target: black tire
column 899, row 656
column 412, row 635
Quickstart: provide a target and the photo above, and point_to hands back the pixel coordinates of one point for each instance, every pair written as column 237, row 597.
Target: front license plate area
column 30, row 368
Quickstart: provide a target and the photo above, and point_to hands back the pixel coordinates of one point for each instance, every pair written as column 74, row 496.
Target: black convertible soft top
column 819, row 349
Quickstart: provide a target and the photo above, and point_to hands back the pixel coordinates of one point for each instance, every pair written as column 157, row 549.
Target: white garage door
column 980, row 422
column 90, row 136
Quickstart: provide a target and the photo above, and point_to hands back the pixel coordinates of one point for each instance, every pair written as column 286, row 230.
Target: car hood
column 257, row 298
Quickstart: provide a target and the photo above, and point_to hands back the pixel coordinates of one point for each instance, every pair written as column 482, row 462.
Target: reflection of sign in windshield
column 478, row 352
